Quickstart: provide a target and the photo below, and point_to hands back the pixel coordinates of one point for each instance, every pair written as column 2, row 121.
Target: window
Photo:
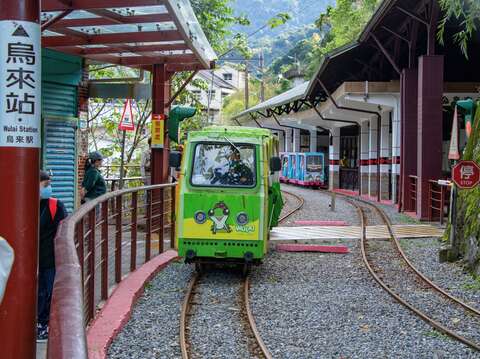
column 211, row 93
column 224, row 165
column 228, row 76
column 314, row 163
column 196, row 94
column 224, row 94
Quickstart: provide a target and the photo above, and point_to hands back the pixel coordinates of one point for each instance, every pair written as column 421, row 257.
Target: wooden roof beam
column 75, row 50
column 60, row 5
column 101, row 39
column 145, row 60
column 103, row 21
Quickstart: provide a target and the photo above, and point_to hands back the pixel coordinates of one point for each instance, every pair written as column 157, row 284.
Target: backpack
column 53, row 206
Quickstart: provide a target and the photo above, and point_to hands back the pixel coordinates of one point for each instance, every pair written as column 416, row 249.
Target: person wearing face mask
column 52, row 212
column 93, row 184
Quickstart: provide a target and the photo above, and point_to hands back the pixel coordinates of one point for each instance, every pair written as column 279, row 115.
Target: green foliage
column 472, row 284
column 235, row 103
column 467, row 12
column 345, row 21
column 468, row 213
column 216, row 18
column 278, row 20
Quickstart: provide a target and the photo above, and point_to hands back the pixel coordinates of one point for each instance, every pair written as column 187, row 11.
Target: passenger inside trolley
column 224, row 165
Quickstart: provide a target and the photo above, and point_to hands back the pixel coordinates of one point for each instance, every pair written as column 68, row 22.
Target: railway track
column 256, row 346
column 420, row 283
column 297, row 207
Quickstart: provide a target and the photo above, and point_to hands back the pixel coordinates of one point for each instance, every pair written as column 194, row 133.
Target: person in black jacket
column 93, row 184
column 52, row 212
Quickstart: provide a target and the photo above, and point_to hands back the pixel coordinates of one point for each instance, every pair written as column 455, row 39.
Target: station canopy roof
column 135, row 33
column 400, row 26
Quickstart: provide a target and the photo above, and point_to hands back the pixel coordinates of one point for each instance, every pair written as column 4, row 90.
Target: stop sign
column 466, row 174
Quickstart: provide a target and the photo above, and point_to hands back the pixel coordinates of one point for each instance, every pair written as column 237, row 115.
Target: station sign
column 466, row 174
column 126, row 123
column 158, row 130
column 20, row 82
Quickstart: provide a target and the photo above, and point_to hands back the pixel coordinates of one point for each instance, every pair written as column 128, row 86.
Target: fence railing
column 95, row 247
column 438, row 201
column 412, row 187
column 114, row 170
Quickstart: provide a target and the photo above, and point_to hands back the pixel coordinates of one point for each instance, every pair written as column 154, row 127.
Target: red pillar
column 160, row 97
column 408, row 160
column 430, row 119
column 19, row 183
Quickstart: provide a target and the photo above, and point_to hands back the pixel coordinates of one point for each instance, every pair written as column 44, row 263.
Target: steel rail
column 251, row 320
column 412, row 267
column 183, row 316
column 441, row 328
column 299, row 206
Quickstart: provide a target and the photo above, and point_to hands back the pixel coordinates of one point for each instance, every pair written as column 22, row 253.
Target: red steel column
column 160, row 97
column 19, row 202
column 408, row 157
column 430, row 126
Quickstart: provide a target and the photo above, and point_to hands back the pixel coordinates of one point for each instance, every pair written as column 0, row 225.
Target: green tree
column 467, row 12
column 345, row 21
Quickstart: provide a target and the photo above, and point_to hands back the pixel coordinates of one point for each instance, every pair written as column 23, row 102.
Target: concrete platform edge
column 117, row 310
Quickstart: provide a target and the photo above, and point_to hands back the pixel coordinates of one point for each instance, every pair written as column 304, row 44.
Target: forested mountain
column 277, row 44
column 302, row 12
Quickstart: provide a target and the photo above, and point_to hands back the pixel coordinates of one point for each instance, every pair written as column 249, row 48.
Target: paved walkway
column 353, row 232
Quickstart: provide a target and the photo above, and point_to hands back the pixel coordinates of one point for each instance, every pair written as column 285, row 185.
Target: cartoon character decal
column 219, row 215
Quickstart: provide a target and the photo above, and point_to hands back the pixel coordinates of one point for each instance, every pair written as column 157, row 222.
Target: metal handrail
column 438, row 199
column 76, row 270
column 413, row 192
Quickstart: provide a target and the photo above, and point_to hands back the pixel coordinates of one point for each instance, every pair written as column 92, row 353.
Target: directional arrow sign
column 466, row 174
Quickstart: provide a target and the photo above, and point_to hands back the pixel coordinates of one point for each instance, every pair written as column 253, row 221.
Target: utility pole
column 19, row 177
column 247, row 94
column 262, row 83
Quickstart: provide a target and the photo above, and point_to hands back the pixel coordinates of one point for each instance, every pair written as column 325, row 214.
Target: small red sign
column 126, row 123
column 466, row 174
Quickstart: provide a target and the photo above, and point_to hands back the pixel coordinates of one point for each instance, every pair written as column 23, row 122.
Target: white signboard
column 20, row 83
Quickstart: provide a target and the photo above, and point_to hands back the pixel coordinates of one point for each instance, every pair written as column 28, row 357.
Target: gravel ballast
column 317, row 207
column 306, row 305
column 153, row 330
column 216, row 327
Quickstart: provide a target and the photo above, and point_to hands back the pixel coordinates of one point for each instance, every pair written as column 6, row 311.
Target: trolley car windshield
column 224, row 165
column 314, row 163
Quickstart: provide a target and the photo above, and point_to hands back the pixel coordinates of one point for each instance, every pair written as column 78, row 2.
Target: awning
column 292, row 95
column 135, row 33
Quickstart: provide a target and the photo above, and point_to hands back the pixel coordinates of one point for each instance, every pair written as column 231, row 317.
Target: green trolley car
column 228, row 195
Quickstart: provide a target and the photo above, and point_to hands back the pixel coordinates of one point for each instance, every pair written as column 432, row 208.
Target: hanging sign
column 20, row 81
column 469, row 106
column 466, row 174
column 126, row 123
column 158, row 130
column 453, row 153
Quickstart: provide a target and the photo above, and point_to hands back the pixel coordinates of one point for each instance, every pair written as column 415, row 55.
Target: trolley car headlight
column 200, row 217
column 242, row 219
column 317, row 178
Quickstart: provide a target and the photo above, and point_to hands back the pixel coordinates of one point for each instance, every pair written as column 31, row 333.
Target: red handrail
column 82, row 258
column 438, row 200
column 413, row 192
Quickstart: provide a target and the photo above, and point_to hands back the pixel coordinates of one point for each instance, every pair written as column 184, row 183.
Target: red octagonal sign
column 466, row 174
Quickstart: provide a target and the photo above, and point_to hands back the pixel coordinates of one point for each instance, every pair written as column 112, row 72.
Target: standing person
column 52, row 212
column 93, row 184
column 145, row 164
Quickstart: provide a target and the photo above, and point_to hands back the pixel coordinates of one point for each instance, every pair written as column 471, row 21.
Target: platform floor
column 353, row 232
